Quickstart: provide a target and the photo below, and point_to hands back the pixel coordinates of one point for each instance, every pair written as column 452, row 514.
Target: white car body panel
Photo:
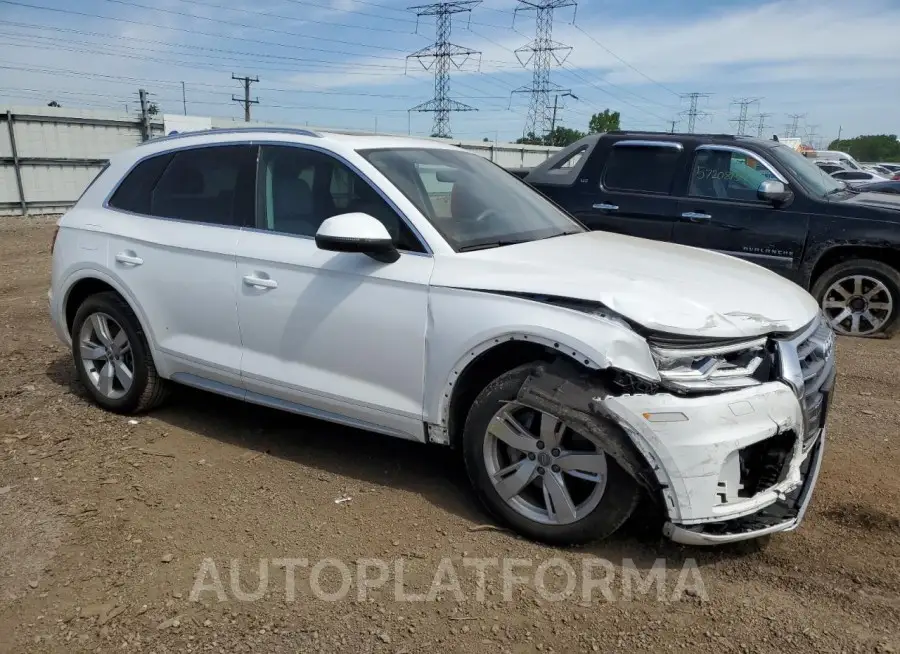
column 380, row 345
column 331, row 334
column 662, row 286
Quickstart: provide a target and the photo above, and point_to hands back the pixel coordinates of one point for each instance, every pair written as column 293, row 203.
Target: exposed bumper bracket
column 794, row 506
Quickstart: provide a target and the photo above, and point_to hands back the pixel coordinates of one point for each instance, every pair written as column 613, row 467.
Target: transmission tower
column 761, row 126
column 742, row 120
column 793, row 127
column 541, row 54
column 440, row 55
column 693, row 113
column 812, row 135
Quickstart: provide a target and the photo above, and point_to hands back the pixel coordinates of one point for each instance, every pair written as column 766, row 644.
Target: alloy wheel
column 541, row 468
column 106, row 355
column 858, row 305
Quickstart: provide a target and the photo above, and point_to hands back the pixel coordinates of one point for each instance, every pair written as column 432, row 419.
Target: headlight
column 710, row 368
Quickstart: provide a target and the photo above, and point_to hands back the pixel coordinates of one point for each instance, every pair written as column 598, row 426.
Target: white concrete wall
column 76, row 141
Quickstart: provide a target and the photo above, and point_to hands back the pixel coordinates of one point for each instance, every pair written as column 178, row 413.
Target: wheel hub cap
column 105, row 354
column 541, row 468
column 858, row 305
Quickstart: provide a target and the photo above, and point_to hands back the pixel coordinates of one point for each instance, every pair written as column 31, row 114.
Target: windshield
column 814, row 180
column 472, row 202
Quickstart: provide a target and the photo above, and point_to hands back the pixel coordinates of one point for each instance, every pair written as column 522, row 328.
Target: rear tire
column 592, row 513
column 860, row 297
column 112, row 358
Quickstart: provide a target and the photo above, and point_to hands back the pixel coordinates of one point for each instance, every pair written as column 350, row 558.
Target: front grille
column 808, row 364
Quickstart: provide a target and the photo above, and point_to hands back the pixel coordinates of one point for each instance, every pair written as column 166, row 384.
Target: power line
column 442, row 54
column 693, row 112
column 541, row 51
column 246, row 101
column 639, row 72
column 742, row 120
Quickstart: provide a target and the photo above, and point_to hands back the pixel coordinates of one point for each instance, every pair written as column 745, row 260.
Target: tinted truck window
column 646, row 169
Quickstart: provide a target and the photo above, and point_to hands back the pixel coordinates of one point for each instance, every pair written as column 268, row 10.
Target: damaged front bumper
column 728, row 467
column 784, row 515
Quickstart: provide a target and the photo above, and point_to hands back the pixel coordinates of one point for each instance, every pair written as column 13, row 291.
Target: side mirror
column 774, row 192
column 357, row 232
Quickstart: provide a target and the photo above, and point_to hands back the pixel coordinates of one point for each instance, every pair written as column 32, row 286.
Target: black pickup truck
column 755, row 199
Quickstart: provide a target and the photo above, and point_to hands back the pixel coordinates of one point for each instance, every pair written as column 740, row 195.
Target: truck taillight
column 53, row 242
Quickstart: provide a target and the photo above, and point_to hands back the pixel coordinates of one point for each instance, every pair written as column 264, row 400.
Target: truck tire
column 860, row 297
column 536, row 490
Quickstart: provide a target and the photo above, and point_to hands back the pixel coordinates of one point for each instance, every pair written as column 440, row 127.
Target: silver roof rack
column 235, row 130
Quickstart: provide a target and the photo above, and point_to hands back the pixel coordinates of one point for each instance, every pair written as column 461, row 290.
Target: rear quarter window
column 133, row 193
column 645, row 169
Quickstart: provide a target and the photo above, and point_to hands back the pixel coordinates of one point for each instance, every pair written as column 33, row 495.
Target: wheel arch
column 82, row 284
column 831, row 256
column 490, row 359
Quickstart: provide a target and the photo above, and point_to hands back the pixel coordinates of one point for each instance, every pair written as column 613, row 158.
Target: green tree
column 563, row 136
column 530, row 139
column 605, row 121
column 881, row 147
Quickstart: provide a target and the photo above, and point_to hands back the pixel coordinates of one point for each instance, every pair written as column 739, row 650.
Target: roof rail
column 642, row 132
column 233, row 130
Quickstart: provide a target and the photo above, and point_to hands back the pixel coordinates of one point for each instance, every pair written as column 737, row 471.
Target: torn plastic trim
column 575, row 397
column 762, row 523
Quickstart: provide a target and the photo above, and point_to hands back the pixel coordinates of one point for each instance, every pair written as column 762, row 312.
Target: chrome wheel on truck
column 858, row 305
column 859, row 297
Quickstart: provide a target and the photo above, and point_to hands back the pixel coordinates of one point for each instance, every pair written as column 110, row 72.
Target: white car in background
column 576, row 370
column 857, row 177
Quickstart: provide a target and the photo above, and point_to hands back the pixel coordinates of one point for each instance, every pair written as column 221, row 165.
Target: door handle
column 129, row 259
column 606, row 206
column 260, row 282
column 696, row 216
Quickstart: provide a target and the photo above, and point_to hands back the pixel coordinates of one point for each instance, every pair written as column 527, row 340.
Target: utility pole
column 541, row 52
column 761, row 126
column 441, row 55
column 246, row 101
column 840, row 131
column 742, row 119
column 145, row 115
column 794, row 126
column 693, row 113
column 568, row 93
column 183, row 99
column 673, row 124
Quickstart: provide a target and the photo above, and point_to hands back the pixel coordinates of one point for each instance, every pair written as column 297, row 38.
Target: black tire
column 616, row 505
column 148, row 389
column 882, row 272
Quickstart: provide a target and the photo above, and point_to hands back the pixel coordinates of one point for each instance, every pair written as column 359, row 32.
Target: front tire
column 112, row 358
column 537, row 475
column 859, row 297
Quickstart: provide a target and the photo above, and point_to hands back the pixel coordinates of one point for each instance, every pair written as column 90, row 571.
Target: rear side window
column 647, row 169
column 214, row 185
column 134, row 192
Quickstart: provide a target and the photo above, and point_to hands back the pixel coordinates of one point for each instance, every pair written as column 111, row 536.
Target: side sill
column 234, row 392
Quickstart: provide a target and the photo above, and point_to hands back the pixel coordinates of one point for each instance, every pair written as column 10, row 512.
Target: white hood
column 664, row 287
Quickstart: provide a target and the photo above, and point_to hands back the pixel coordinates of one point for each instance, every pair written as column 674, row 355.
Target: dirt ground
column 106, row 522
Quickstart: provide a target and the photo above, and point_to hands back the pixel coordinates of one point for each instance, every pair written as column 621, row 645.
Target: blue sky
column 342, row 63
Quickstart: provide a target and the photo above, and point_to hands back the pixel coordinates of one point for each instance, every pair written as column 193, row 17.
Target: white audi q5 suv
column 416, row 290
